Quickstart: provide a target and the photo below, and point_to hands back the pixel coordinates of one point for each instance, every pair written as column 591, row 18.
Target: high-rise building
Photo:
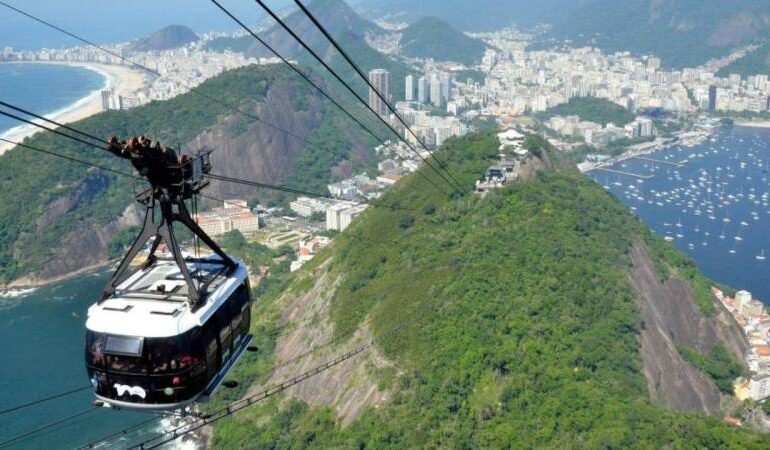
column 645, row 127
column 423, row 90
column 106, row 97
column 409, row 89
column 380, row 79
column 436, row 96
column 445, row 85
column 712, row 98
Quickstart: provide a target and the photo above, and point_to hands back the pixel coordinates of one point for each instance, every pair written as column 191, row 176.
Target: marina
column 624, row 173
column 710, row 200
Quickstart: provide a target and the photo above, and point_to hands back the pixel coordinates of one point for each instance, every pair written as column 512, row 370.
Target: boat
column 761, row 256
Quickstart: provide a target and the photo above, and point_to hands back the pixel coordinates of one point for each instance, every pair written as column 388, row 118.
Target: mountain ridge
column 58, row 217
column 522, row 324
column 431, row 37
column 684, row 33
column 167, row 38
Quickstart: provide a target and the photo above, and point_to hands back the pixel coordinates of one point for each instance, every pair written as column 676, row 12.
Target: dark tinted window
column 164, row 355
column 126, row 364
column 95, row 349
column 124, row 345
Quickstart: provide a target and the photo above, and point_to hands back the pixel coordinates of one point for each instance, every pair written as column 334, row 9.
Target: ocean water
column 44, row 88
column 41, row 340
column 41, row 332
column 714, row 207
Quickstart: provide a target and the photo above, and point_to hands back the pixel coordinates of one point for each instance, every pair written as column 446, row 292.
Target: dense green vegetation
column 475, row 76
column 755, row 63
column 591, row 109
column 430, row 37
column 522, row 324
column 121, row 242
column 46, row 198
column 170, row 37
column 683, row 33
column 717, row 364
column 238, row 45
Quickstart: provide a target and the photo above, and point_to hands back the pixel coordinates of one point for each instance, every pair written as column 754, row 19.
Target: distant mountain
column 544, row 315
column 479, row 15
column 71, row 214
column 755, row 63
column 682, row 32
column 336, row 16
column 348, row 28
column 431, row 37
column 168, row 38
column 591, row 109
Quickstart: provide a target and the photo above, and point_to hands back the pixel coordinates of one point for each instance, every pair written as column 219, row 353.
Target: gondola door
column 212, row 349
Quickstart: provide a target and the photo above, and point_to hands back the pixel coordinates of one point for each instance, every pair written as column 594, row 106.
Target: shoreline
column 28, row 283
column 752, row 123
column 122, row 79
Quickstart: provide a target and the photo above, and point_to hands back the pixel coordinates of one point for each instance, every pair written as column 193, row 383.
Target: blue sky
column 108, row 21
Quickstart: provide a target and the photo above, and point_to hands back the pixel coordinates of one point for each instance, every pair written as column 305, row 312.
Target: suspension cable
column 238, row 405
column 53, row 130
column 123, row 432
column 52, row 122
column 291, row 190
column 69, row 158
column 43, row 400
column 355, row 94
column 311, row 82
column 46, row 426
column 295, row 69
column 155, row 72
column 366, row 79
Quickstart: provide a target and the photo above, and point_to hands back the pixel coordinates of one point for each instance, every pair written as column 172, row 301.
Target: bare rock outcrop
column 672, row 318
column 243, row 148
column 347, row 388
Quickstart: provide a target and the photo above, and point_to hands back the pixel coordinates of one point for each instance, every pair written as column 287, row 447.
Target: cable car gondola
column 166, row 335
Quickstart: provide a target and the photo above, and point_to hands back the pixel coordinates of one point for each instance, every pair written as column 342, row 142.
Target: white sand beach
column 124, row 80
column 753, row 123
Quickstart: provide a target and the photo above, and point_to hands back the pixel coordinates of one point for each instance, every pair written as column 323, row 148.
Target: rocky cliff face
column 254, row 151
column 243, row 148
column 348, row 388
column 671, row 318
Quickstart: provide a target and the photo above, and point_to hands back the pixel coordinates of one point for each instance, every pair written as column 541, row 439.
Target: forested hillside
column 57, row 216
column 170, row 37
column 335, row 15
column 755, row 63
column 684, row 33
column 431, row 37
column 521, row 325
column 591, row 109
column 348, row 29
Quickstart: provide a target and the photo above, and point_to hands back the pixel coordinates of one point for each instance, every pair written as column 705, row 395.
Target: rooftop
column 153, row 302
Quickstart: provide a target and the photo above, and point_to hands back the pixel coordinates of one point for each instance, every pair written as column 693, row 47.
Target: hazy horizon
column 111, row 22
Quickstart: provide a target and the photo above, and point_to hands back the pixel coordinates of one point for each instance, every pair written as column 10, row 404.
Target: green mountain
column 531, row 319
column 433, row 38
column 57, row 216
column 171, row 37
column 337, row 17
column 591, row 109
column 755, row 63
column 480, row 15
column 684, row 33
column 348, row 28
